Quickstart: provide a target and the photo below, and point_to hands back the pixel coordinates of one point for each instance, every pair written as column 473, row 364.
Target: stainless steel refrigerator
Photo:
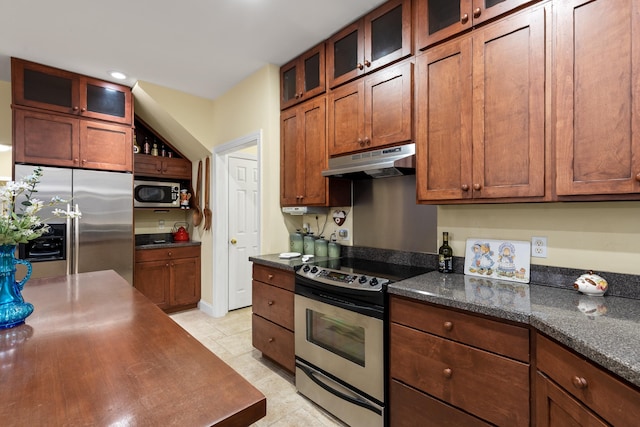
column 102, row 239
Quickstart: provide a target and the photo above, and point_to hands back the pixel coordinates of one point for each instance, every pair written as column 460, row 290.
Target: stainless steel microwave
column 156, row 194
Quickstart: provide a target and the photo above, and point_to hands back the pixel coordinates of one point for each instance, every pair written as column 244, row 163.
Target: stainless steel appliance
column 380, row 163
column 102, row 239
column 340, row 336
column 156, row 194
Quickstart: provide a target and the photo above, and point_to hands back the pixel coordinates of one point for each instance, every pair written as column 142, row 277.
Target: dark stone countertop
column 605, row 330
column 160, row 241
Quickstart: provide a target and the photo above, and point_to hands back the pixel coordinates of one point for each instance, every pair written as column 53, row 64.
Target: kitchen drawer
column 275, row 342
column 272, row 303
column 497, row 337
column 610, row 398
column 143, row 255
column 484, row 384
column 409, row 407
column 274, row 276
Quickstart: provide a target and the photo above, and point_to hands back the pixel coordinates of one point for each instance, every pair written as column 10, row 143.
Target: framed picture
column 498, row 259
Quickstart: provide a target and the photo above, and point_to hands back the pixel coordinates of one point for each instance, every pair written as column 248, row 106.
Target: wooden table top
column 97, row 352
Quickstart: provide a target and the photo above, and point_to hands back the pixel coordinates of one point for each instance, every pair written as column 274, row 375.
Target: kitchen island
column 97, row 352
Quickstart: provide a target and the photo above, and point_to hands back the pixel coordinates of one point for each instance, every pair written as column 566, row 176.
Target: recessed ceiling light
column 118, row 75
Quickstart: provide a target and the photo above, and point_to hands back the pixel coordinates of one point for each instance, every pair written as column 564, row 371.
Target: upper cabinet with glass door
column 48, row 88
column 303, row 77
column 379, row 38
column 438, row 20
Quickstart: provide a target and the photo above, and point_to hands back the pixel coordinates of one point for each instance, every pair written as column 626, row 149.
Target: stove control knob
column 373, row 282
column 362, row 279
column 314, row 270
column 306, row 268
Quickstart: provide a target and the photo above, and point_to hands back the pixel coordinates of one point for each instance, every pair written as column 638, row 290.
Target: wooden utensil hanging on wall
column 207, row 210
column 197, row 213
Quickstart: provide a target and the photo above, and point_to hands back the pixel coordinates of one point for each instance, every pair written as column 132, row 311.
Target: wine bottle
column 445, row 255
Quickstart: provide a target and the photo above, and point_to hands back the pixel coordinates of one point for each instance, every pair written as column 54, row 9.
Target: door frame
column 220, row 260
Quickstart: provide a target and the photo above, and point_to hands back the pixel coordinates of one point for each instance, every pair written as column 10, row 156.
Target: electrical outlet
column 344, row 234
column 161, row 224
column 539, row 247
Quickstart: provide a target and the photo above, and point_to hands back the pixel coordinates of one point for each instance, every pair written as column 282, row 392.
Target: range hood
column 386, row 162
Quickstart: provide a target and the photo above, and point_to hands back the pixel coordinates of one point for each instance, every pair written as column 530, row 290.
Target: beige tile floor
column 229, row 337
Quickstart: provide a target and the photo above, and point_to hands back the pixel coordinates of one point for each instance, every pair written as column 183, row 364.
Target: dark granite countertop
column 605, row 329
column 160, row 241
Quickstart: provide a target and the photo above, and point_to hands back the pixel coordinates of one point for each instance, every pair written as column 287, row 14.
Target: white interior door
column 243, row 226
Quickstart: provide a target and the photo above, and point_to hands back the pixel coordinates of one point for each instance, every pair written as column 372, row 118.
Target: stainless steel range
column 340, row 338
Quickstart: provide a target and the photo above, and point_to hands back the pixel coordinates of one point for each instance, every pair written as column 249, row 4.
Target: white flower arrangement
column 20, row 224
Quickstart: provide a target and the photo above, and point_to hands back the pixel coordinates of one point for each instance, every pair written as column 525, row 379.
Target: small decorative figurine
column 184, row 199
column 591, row 284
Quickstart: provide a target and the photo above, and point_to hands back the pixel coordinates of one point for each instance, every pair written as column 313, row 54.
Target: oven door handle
column 376, row 312
column 354, row 398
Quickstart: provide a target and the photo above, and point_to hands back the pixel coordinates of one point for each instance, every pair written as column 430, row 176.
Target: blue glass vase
column 13, row 309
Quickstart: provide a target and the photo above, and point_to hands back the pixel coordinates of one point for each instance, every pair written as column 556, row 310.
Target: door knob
column 234, row 241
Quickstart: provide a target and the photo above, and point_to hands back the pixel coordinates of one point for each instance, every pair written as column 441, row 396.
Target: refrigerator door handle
column 76, row 241
column 68, row 239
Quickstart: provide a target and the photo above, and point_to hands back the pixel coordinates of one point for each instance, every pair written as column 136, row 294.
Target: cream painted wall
column 602, row 236
column 251, row 106
column 5, row 130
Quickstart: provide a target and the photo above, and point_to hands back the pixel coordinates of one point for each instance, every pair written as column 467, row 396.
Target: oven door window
column 336, row 335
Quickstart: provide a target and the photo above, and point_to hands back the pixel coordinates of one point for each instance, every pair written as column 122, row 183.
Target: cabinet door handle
column 579, row 382
column 477, row 187
column 638, row 177
column 367, row 63
column 167, row 265
column 169, row 253
column 301, row 94
column 270, row 276
column 367, row 141
column 477, row 12
column 272, row 339
column 464, row 19
column 448, row 326
column 360, row 66
column 360, row 142
column 447, row 372
column 269, row 302
column 75, row 108
column 465, row 187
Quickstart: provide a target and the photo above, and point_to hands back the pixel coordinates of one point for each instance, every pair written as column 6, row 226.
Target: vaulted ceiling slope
column 200, row 47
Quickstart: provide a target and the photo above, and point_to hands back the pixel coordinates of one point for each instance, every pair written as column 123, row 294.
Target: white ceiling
column 201, row 47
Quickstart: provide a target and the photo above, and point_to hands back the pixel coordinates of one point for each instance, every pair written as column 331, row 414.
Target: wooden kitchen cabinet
column 437, row 20
column 379, row 38
column 272, row 319
column 462, row 366
column 572, row 391
column 375, row 111
column 481, row 113
column 49, row 139
column 303, row 77
column 303, row 156
column 596, row 86
column 170, row 277
column 52, row 89
column 162, row 167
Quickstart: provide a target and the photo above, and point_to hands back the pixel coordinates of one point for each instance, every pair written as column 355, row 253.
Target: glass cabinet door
column 105, row 100
column 387, row 34
column 35, row 85
column 303, row 77
column 346, row 52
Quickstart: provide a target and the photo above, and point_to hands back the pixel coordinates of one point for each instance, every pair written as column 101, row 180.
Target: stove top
column 360, row 274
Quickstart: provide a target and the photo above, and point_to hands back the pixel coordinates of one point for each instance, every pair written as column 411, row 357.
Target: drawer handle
column 270, row 302
column 448, row 326
column 579, row 382
column 270, row 276
column 447, row 372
